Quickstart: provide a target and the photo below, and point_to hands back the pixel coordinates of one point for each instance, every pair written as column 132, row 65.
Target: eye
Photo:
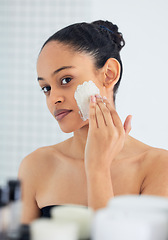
column 45, row 89
column 66, row 80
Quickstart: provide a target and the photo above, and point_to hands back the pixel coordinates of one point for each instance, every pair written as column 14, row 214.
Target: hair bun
column 111, row 31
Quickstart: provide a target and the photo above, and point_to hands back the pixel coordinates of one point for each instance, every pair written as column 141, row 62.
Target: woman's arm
column 99, row 188
column 106, row 138
column 30, row 210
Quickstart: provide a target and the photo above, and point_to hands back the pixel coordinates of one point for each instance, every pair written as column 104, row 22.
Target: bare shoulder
column 156, row 172
column 32, row 169
column 34, row 172
column 157, row 157
column 43, row 160
column 37, row 160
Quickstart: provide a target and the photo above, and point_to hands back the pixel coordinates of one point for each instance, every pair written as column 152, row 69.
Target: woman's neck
column 78, row 141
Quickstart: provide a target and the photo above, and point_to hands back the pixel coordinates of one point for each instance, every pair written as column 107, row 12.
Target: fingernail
column 104, row 97
column 93, row 99
column 98, row 96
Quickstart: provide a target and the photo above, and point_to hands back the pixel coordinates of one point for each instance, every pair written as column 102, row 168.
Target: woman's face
column 60, row 70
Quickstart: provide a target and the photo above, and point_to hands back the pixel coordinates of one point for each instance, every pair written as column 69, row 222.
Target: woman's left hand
column 106, row 135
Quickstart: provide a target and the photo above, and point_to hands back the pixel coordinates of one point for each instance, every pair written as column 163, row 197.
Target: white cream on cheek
column 82, row 97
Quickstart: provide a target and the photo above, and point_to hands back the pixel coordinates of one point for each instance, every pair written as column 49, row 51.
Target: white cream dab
column 82, row 97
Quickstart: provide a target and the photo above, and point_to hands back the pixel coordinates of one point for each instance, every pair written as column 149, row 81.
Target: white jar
column 47, row 229
column 80, row 215
column 131, row 217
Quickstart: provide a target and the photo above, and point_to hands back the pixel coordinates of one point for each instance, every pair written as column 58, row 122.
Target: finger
column 127, row 124
column 115, row 117
column 105, row 112
column 92, row 113
column 100, row 114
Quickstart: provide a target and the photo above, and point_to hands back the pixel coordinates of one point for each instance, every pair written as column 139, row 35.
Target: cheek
column 50, row 107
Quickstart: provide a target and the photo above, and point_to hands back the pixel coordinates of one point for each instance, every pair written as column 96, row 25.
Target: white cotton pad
column 82, row 97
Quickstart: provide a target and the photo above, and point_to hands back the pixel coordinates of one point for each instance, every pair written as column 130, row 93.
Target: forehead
column 55, row 49
column 55, row 55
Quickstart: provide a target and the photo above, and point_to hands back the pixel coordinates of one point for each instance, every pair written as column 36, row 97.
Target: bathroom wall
column 144, row 86
column 25, row 122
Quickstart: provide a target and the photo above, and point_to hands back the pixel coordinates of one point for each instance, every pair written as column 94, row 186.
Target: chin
column 69, row 128
column 66, row 130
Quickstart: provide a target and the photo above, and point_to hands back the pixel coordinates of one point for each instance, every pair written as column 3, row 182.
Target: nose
column 55, row 97
column 58, row 102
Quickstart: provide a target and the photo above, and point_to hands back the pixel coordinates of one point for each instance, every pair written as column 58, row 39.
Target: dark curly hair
column 100, row 39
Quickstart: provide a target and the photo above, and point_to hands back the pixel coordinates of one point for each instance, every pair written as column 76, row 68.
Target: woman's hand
column 106, row 135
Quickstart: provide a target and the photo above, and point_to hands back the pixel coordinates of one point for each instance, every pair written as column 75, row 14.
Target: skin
column 101, row 160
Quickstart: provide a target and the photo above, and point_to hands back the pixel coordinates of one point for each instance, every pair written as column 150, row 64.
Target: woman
column 101, row 160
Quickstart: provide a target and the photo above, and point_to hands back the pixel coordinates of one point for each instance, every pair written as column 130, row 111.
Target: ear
column 111, row 72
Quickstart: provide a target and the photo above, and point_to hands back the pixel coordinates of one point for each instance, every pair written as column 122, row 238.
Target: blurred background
column 25, row 122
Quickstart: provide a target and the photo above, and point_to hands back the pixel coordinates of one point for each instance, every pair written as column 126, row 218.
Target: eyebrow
column 55, row 72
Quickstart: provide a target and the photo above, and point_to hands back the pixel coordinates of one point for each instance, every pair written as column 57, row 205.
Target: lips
column 60, row 113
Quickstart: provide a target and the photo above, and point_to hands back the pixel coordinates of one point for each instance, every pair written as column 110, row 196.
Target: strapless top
column 45, row 211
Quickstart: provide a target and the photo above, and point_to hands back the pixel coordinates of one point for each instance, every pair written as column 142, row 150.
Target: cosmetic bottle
column 14, row 209
column 24, row 232
column 4, row 216
column 1, row 214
